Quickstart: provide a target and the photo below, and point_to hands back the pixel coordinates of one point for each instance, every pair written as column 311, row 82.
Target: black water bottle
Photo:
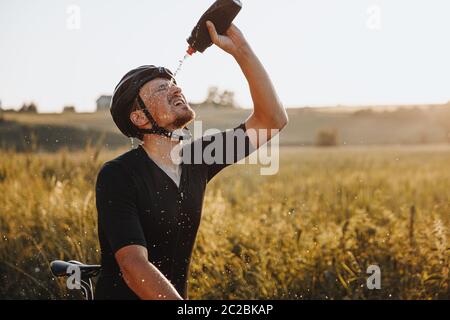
column 221, row 13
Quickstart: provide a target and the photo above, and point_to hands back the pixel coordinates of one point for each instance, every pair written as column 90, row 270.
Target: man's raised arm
column 268, row 112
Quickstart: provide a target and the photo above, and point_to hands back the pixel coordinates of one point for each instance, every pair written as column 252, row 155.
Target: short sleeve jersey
column 139, row 204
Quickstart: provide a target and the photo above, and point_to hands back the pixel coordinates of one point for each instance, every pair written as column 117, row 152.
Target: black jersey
column 138, row 203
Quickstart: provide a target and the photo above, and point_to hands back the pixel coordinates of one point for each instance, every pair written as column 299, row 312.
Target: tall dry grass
column 309, row 232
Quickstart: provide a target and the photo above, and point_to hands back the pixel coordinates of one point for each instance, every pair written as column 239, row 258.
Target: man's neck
column 159, row 148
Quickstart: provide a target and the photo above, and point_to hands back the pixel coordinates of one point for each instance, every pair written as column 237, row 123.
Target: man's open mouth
column 178, row 102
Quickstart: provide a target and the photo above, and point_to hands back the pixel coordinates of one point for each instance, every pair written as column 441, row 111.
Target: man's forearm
column 267, row 106
column 148, row 282
column 268, row 111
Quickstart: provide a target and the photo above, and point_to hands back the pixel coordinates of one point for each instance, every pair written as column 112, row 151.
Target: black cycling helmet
column 127, row 91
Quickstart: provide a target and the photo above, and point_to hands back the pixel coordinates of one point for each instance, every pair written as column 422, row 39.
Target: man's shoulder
column 128, row 157
column 122, row 164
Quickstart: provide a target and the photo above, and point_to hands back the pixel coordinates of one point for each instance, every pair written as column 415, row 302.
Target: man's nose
column 174, row 89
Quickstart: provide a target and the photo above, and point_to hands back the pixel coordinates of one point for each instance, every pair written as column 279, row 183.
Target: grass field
column 309, row 232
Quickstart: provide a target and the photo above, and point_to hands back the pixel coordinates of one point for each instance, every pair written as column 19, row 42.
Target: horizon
column 336, row 108
column 362, row 53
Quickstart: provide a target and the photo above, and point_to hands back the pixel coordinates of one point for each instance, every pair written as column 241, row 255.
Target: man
column 149, row 208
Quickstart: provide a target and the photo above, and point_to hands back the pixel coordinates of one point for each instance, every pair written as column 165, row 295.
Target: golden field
column 309, row 232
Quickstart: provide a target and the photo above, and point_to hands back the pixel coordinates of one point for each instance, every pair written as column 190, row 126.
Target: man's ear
column 138, row 118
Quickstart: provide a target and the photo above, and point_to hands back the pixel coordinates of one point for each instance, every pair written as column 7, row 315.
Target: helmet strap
column 156, row 129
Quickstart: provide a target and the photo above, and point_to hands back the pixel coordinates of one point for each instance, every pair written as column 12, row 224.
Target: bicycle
column 61, row 269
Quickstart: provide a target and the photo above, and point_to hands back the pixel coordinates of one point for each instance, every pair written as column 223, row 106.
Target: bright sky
column 321, row 52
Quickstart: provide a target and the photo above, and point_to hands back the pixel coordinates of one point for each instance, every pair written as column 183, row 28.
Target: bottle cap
column 190, row 51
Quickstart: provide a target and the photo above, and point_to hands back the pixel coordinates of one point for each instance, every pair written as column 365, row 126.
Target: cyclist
column 149, row 207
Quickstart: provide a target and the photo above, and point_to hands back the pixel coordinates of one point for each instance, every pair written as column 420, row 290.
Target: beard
column 184, row 118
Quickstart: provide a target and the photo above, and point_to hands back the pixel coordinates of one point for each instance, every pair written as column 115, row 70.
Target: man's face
column 166, row 104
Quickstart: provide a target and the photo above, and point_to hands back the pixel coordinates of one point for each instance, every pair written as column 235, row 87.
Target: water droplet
column 178, row 69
